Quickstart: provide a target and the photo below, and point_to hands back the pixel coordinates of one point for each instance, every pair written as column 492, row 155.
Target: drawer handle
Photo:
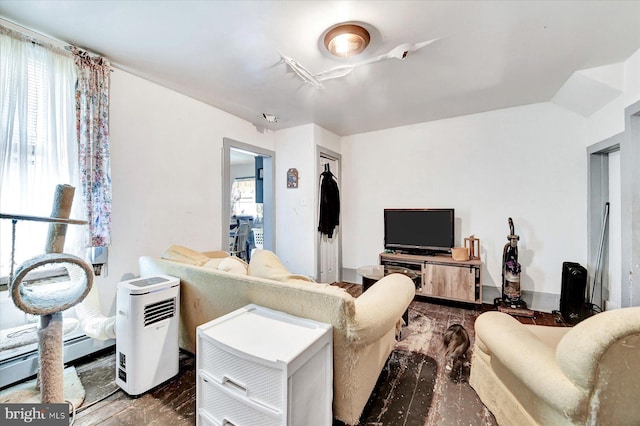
column 226, row 422
column 233, row 384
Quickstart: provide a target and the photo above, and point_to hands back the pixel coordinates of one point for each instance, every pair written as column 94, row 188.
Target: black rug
column 403, row 393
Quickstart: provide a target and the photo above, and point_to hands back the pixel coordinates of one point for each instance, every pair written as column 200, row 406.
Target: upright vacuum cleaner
column 511, row 295
column 511, row 301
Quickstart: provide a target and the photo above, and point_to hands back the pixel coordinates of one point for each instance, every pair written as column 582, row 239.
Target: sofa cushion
column 233, row 264
column 213, row 263
column 216, row 254
column 185, row 255
column 265, row 264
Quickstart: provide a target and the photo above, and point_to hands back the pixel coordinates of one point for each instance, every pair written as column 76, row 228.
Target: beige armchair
column 536, row 375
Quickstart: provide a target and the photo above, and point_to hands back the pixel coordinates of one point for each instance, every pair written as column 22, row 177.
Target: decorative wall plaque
column 292, row 178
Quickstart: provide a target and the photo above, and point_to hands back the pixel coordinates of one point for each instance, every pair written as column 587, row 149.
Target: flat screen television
column 419, row 231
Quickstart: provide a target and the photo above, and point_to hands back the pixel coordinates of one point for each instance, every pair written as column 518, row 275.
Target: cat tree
column 49, row 299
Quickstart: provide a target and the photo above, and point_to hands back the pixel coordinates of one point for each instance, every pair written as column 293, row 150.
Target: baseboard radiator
column 25, row 366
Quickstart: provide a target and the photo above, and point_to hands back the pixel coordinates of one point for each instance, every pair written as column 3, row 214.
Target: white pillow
column 265, row 264
column 185, row 255
column 233, row 264
column 213, row 263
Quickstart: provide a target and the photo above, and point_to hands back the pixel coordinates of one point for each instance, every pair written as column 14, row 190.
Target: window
column 38, row 147
column 243, row 198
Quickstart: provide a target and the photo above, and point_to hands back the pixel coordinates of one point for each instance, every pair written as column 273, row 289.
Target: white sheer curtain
column 38, row 142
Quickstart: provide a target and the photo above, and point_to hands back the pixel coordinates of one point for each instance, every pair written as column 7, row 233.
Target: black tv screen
column 419, row 230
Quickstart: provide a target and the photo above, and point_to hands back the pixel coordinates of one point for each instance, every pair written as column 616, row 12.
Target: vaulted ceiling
column 486, row 55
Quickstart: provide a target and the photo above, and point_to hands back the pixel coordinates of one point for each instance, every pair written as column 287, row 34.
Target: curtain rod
column 31, row 33
column 39, row 36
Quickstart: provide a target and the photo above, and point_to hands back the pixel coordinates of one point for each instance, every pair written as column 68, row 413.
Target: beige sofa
column 535, row 375
column 364, row 329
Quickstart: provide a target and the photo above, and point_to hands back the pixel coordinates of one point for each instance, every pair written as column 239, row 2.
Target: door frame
column 269, row 191
column 327, row 153
column 628, row 142
column 598, row 195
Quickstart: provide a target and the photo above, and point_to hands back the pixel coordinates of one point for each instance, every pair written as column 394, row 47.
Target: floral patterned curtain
column 92, row 108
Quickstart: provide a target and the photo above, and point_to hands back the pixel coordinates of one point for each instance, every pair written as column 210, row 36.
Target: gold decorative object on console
column 473, row 244
column 460, row 254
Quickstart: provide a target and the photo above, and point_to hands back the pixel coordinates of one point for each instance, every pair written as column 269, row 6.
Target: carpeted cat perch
column 48, row 299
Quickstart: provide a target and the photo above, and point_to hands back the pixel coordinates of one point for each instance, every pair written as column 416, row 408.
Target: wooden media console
column 439, row 276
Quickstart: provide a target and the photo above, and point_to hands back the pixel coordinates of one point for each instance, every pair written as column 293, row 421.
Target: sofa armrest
column 529, row 359
column 379, row 308
column 549, row 335
column 582, row 349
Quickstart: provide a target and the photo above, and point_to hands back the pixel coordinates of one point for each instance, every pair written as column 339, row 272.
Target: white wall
column 528, row 163
column 295, row 207
column 166, row 173
column 610, row 119
column 326, row 139
column 242, row 171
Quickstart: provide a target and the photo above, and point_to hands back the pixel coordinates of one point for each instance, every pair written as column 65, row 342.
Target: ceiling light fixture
column 346, row 40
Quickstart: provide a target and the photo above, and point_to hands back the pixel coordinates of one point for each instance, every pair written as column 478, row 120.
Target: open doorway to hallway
column 248, row 204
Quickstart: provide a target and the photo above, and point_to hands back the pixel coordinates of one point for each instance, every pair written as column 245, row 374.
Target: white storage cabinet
column 257, row 366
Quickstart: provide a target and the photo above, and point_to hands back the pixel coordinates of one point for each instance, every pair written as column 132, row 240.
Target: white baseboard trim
column 609, row 305
column 350, row 276
column 538, row 301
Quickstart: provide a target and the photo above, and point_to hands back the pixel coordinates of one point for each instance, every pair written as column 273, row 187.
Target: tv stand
column 440, row 276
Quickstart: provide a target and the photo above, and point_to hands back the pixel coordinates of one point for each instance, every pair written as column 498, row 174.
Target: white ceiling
column 489, row 55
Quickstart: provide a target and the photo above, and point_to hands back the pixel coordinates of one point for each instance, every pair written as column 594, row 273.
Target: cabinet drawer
column 226, row 407
column 205, row 419
column 261, row 383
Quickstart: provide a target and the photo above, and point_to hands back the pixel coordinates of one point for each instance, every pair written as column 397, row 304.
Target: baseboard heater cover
column 25, row 366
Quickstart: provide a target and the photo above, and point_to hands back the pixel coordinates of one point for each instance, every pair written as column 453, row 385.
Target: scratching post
column 50, row 358
column 62, row 201
column 49, row 299
column 50, row 333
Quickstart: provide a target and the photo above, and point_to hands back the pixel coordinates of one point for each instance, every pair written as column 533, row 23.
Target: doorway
column 329, row 249
column 614, row 243
column 604, row 225
column 614, row 177
column 247, row 197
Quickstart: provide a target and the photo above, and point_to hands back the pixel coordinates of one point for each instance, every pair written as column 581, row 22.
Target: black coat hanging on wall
column 329, row 202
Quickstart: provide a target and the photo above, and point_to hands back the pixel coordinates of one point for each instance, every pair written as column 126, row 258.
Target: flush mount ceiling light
column 346, row 40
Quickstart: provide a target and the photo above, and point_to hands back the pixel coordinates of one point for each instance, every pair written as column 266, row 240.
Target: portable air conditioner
column 147, row 332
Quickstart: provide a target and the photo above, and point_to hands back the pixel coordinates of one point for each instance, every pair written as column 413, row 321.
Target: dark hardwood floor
column 173, row 403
